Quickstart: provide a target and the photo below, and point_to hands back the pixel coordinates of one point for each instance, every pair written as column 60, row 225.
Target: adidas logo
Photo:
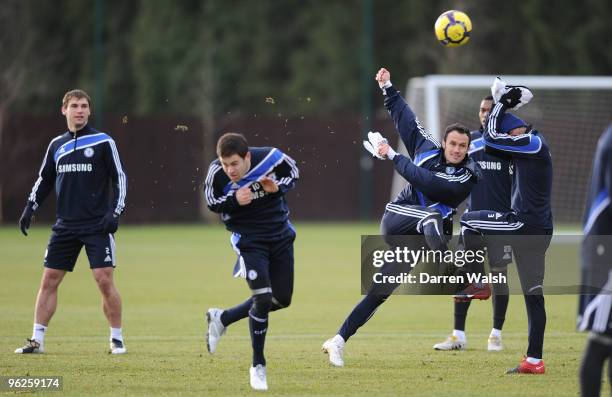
column 108, row 259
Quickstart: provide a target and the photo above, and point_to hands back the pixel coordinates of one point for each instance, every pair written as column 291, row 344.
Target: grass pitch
column 169, row 275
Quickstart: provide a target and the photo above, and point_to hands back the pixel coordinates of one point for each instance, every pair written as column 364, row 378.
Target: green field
column 169, row 275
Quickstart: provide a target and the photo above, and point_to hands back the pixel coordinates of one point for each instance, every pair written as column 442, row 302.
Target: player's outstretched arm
column 518, row 145
column 450, row 190
column 412, row 133
column 509, row 97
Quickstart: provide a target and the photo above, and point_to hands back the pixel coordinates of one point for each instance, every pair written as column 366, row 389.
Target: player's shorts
column 528, row 243
column 498, row 250
column 267, row 264
column 65, row 245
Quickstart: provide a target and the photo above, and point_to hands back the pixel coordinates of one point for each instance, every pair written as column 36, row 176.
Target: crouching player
column 247, row 186
column 440, row 177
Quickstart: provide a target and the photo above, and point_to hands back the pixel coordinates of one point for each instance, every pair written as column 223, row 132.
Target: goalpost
column 571, row 113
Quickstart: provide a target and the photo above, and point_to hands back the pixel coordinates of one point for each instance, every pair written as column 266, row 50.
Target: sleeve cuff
column 386, row 86
column 397, row 157
column 388, row 89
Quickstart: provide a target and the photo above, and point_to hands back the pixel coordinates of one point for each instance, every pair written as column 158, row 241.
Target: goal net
column 571, row 112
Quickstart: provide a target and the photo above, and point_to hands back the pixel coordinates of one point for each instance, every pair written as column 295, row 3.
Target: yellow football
column 453, row 28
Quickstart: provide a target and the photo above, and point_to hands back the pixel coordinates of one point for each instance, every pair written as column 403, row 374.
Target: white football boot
column 451, row 343
column 494, row 344
column 215, row 329
column 117, row 347
column 258, row 377
column 335, row 348
column 32, row 347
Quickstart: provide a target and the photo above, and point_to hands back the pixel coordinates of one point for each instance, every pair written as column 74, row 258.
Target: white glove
column 497, row 89
column 371, row 145
column 514, row 96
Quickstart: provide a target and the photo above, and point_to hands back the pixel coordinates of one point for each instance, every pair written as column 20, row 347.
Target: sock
column 500, row 306
column 236, row 313
column 461, row 309
column 38, row 333
column 500, row 298
column 532, row 360
column 116, row 334
column 258, row 327
column 496, row 332
column 338, row 340
column 459, row 334
column 536, row 320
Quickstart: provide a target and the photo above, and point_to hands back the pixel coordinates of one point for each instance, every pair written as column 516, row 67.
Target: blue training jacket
column 268, row 214
column 80, row 165
column 493, row 192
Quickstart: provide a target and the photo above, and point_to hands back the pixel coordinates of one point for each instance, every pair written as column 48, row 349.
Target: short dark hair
column 488, row 98
column 78, row 94
column 460, row 128
column 232, row 143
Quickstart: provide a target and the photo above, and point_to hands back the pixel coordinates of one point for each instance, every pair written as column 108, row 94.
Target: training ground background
column 169, row 275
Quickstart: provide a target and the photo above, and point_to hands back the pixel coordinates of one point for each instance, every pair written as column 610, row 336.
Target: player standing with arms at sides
column 530, row 220
column 247, row 186
column 81, row 163
column 595, row 309
column 491, row 193
column 440, row 177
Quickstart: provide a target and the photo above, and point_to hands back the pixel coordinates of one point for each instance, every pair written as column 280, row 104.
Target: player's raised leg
column 396, row 221
column 219, row 319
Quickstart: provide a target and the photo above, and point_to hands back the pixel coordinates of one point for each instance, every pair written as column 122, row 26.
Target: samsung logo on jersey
column 490, row 165
column 74, row 168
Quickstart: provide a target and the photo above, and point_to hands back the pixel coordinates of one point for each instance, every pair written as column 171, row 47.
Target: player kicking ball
column 439, row 175
column 247, row 186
